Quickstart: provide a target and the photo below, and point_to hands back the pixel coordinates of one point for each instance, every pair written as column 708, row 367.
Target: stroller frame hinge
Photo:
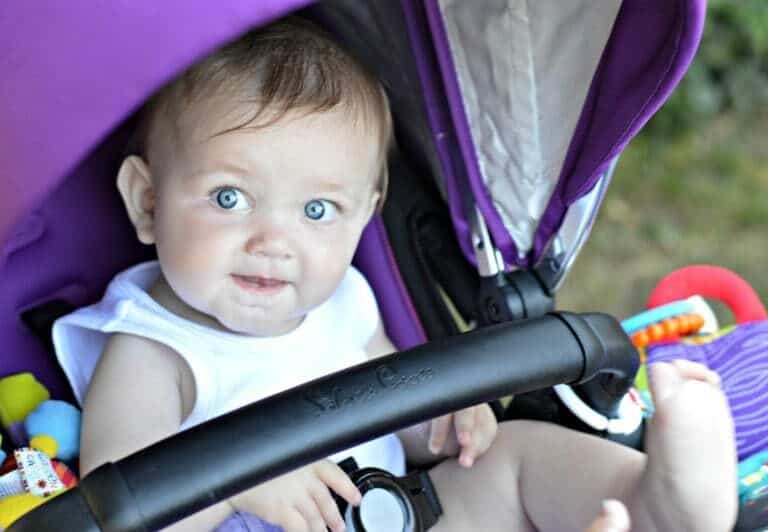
column 504, row 296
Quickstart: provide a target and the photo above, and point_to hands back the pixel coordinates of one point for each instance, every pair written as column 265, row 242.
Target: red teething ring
column 713, row 282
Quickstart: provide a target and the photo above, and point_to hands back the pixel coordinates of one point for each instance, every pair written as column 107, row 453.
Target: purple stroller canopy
column 490, row 84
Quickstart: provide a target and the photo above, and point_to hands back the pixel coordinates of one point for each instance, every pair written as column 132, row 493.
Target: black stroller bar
column 215, row 460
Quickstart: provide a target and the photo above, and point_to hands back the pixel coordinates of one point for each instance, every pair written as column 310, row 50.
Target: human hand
column 474, row 430
column 301, row 501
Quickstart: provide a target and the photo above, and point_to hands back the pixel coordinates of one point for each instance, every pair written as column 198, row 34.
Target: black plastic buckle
column 414, row 495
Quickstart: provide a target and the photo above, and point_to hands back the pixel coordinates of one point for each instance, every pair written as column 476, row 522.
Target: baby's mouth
column 259, row 284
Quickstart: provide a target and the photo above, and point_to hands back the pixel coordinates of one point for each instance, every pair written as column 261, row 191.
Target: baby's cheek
column 199, row 245
column 325, row 267
column 189, row 266
column 195, row 269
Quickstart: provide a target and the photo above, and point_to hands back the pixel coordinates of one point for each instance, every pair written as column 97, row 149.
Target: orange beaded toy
column 668, row 330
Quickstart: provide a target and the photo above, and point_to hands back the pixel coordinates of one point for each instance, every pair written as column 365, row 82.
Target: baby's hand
column 301, row 501
column 475, row 430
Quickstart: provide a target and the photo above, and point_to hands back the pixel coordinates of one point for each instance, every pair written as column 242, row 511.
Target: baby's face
column 255, row 227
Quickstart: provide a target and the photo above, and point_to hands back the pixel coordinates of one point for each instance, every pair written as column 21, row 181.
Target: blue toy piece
column 753, row 477
column 656, row 315
column 60, row 421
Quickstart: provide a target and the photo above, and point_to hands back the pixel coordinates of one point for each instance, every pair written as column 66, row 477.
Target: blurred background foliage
column 693, row 186
column 729, row 73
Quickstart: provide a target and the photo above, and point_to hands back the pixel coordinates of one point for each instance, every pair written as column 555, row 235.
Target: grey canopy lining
column 524, row 69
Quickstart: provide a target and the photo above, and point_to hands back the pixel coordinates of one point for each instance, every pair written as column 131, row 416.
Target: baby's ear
column 374, row 206
column 134, row 181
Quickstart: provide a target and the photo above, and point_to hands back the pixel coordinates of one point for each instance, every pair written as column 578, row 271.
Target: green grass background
column 693, row 186
column 700, row 199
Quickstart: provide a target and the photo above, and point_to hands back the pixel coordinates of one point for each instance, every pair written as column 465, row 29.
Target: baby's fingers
column 464, row 423
column 312, row 517
column 486, row 428
column 292, row 520
column 438, row 434
column 328, row 509
column 476, row 440
column 335, row 478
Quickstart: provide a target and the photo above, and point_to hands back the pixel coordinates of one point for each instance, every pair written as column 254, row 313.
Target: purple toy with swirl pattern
column 741, row 359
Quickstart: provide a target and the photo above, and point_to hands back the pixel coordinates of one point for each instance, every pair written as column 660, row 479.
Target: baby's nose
column 270, row 240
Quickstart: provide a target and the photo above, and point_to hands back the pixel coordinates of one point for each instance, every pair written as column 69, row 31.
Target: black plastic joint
column 111, row 501
column 592, row 348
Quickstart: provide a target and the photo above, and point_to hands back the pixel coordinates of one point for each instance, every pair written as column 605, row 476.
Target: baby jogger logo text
column 333, row 398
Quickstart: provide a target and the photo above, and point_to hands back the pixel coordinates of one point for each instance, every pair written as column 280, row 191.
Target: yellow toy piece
column 19, row 395
column 14, row 506
column 45, row 444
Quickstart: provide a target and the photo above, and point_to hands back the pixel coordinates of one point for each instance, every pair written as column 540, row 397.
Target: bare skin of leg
column 613, row 518
column 539, row 476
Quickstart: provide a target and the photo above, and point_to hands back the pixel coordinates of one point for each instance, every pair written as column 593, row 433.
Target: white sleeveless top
column 231, row 370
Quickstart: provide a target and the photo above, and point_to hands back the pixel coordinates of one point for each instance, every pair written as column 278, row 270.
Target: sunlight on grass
column 700, row 199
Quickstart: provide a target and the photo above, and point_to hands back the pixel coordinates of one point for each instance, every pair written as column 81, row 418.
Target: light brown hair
column 290, row 64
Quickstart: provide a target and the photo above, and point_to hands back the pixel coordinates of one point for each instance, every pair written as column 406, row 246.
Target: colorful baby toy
column 19, row 395
column 42, row 429
column 31, row 418
column 738, row 354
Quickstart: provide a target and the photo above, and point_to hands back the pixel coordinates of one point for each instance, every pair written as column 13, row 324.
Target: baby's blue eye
column 231, row 199
column 320, row 210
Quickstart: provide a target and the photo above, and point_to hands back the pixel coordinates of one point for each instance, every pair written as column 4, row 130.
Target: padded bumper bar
column 213, row 461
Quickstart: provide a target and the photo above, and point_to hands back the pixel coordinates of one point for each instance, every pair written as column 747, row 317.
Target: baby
column 256, row 173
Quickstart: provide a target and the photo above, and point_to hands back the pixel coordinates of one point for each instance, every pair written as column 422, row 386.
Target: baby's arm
column 467, row 433
column 140, row 393
column 134, row 399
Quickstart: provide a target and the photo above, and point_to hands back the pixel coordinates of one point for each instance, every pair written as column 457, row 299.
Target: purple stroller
column 495, row 185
